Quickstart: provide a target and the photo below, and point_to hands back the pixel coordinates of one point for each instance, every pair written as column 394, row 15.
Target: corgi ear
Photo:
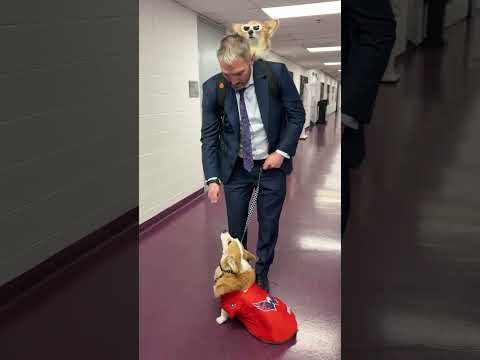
column 232, row 264
column 236, row 28
column 247, row 255
column 271, row 25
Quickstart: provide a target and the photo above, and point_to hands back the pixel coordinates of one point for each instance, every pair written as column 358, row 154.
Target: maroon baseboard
column 167, row 212
column 28, row 280
column 35, row 276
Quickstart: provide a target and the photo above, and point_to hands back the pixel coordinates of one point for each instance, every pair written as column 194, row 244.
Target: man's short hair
column 233, row 47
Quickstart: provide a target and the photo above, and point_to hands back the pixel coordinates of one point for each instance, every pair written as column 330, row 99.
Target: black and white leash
column 251, row 209
column 253, row 203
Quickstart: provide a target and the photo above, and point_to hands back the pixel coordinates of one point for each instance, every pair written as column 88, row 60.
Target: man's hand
column 214, row 192
column 273, row 161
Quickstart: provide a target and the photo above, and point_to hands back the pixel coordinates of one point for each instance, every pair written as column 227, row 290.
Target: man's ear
column 253, row 58
column 271, row 25
column 247, row 255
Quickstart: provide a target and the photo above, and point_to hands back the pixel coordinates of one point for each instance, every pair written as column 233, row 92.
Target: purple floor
column 178, row 257
column 411, row 254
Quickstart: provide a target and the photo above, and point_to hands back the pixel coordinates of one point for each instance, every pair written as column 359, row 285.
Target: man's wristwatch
column 217, row 181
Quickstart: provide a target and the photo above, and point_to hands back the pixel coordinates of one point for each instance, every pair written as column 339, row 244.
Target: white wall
column 455, row 11
column 327, row 80
column 209, row 37
column 170, row 121
column 415, row 21
column 400, row 10
column 296, row 69
column 68, row 102
column 300, row 70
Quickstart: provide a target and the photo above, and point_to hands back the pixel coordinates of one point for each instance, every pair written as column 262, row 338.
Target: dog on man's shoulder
column 259, row 35
column 264, row 316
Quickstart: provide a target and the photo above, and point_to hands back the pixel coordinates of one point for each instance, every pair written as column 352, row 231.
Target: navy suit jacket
column 368, row 36
column 283, row 118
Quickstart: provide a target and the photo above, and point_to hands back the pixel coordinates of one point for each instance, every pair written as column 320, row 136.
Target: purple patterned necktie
column 246, row 135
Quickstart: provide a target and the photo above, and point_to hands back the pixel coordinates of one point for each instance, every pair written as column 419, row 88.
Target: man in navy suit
column 368, row 36
column 260, row 130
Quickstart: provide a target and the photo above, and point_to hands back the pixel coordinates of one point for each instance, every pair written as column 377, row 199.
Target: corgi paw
column 220, row 320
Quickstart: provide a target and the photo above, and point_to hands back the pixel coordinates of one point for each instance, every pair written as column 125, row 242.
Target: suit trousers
column 271, row 196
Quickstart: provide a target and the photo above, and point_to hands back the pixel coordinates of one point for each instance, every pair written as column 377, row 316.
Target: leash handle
column 253, row 203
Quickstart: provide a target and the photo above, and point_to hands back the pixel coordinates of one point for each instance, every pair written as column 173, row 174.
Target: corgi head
column 234, row 273
column 234, row 256
column 258, row 34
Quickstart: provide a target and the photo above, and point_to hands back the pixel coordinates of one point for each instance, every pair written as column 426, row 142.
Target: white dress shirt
column 257, row 130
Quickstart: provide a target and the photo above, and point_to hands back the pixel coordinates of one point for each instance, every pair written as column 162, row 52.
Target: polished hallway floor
column 179, row 255
column 411, row 254
column 85, row 311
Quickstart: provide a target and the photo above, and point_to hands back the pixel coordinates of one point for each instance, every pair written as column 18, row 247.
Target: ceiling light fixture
column 323, row 8
column 324, row 49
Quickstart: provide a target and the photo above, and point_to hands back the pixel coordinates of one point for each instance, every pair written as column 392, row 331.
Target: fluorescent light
column 323, row 8
column 324, row 49
column 332, row 63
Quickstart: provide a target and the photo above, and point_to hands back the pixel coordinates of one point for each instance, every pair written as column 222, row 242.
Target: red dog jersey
column 265, row 317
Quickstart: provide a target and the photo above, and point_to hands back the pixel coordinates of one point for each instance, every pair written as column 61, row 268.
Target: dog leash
column 253, row 204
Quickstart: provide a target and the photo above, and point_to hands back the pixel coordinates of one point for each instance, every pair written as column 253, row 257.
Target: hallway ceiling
column 294, row 34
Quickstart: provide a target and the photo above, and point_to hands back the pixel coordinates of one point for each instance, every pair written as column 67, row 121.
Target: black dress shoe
column 262, row 281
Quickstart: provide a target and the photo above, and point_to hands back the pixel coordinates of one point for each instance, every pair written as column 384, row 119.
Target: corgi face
column 252, row 30
column 234, row 272
column 258, row 34
column 230, row 246
column 234, row 256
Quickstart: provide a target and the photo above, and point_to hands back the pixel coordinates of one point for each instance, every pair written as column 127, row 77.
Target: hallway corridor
column 411, row 254
column 178, row 257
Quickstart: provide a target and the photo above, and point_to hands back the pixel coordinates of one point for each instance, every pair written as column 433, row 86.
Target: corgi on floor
column 264, row 316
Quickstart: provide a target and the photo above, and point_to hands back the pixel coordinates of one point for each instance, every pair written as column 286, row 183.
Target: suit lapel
column 261, row 90
column 231, row 103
